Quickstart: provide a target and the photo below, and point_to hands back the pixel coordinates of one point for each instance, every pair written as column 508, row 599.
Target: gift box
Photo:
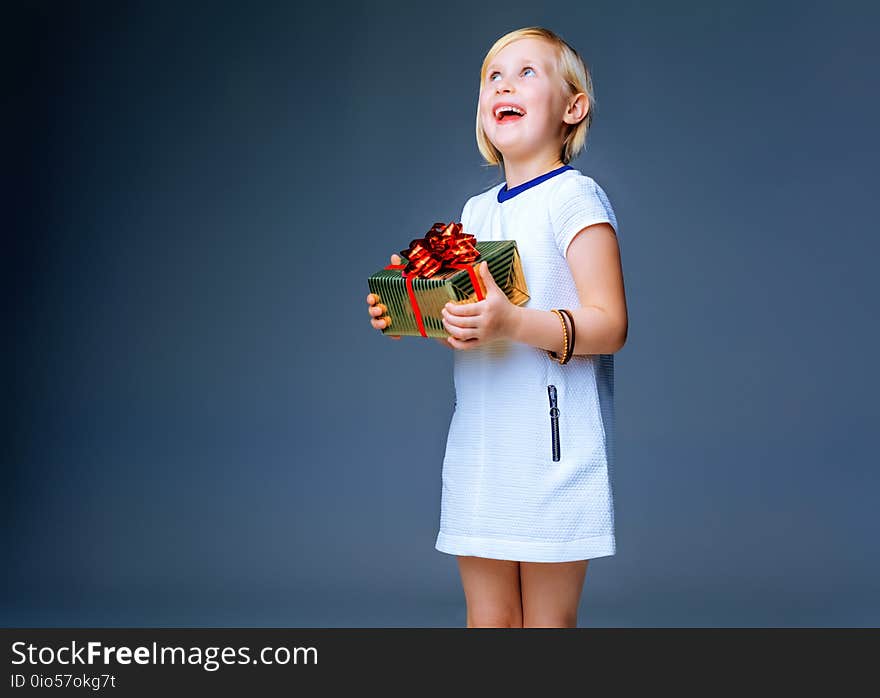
column 440, row 268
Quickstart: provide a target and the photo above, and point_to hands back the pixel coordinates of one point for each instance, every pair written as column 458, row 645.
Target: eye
column 494, row 73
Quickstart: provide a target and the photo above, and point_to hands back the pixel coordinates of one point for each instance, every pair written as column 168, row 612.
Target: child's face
column 524, row 73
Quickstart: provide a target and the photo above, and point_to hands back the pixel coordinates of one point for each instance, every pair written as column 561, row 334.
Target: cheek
column 485, row 107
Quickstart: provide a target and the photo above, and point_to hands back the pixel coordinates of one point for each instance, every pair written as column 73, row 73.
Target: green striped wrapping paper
column 505, row 265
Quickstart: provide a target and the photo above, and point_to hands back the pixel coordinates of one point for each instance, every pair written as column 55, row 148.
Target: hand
column 473, row 324
column 377, row 310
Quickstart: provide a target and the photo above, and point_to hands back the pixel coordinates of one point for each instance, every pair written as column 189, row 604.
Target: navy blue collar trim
column 504, row 194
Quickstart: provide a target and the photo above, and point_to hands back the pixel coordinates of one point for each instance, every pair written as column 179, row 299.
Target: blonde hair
column 575, row 77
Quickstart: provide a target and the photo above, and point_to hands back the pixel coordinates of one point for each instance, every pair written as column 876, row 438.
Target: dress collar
column 504, row 193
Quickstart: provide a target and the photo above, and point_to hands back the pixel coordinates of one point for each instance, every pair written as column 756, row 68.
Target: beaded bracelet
column 566, row 352
column 570, row 346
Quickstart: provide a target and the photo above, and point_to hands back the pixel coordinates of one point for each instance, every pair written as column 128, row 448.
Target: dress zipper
column 554, row 422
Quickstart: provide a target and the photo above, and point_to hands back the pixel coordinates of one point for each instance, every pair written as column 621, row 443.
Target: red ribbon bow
column 444, row 246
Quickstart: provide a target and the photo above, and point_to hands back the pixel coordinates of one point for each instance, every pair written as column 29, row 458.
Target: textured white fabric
column 503, row 495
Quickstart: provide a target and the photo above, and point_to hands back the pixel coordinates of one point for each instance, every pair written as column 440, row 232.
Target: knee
column 494, row 618
column 550, row 620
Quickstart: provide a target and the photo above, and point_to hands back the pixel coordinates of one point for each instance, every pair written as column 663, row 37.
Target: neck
column 518, row 171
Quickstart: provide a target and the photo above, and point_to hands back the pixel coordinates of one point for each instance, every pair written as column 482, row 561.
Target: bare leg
column 551, row 592
column 492, row 592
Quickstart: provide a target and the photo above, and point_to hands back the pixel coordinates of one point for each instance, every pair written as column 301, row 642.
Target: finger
column 465, row 345
column 452, row 330
column 379, row 324
column 460, row 320
column 465, row 308
column 395, row 259
column 460, row 333
column 372, row 298
column 377, row 310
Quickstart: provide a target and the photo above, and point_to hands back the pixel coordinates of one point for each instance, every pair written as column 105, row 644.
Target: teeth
column 506, row 108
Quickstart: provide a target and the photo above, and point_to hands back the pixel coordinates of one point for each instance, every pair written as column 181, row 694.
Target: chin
column 511, row 147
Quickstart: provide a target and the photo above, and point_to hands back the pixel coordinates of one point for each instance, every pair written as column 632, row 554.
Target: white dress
column 503, row 494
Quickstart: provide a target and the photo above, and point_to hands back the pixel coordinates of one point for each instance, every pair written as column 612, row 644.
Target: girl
column 527, row 476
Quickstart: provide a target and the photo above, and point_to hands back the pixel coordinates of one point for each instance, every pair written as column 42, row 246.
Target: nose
column 502, row 86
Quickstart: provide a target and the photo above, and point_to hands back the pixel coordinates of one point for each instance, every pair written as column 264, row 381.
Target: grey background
column 202, row 429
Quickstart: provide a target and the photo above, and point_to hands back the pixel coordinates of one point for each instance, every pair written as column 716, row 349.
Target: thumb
column 487, row 276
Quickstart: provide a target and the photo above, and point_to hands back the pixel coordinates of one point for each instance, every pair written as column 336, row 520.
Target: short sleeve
column 578, row 202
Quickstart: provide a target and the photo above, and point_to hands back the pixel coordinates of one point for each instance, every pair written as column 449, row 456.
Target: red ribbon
column 445, row 246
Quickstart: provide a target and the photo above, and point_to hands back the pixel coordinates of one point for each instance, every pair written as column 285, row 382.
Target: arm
column 601, row 322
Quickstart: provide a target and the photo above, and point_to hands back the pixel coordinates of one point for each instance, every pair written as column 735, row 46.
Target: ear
column 578, row 108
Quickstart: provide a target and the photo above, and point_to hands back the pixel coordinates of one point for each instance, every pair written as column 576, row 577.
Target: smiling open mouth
column 506, row 114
